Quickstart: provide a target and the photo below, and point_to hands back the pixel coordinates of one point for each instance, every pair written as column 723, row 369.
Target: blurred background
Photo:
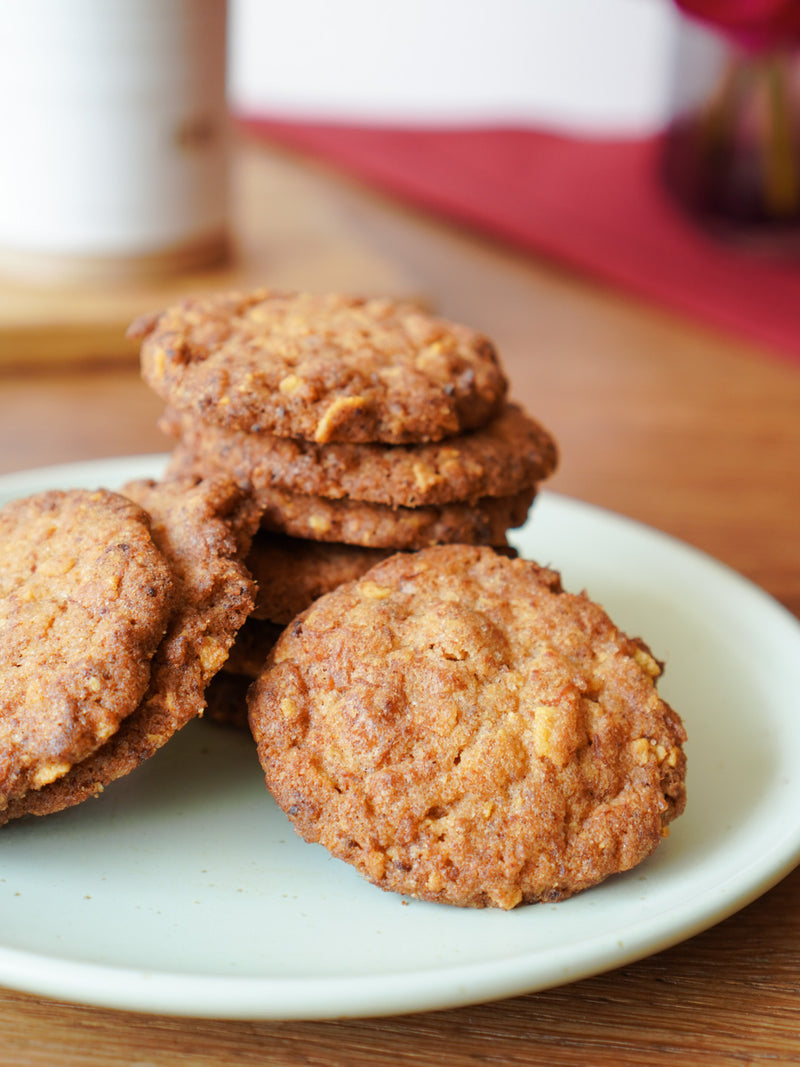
column 580, row 65
column 613, row 137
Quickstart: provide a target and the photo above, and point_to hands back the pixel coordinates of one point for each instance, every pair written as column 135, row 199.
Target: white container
column 112, row 136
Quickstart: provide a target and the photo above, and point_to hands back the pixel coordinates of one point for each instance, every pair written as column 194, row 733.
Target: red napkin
column 595, row 205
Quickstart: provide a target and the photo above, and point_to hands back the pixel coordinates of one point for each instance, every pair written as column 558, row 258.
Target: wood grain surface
column 657, row 418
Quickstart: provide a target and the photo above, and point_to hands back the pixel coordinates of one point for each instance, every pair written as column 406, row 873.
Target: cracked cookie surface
column 460, row 729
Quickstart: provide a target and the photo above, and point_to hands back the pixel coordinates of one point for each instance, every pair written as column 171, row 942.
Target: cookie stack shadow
column 380, row 429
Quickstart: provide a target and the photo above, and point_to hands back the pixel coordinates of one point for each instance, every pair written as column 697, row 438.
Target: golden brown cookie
column 290, row 575
column 292, row 572
column 85, row 596
column 200, row 532
column 511, row 453
column 321, row 367
column 461, row 729
column 352, row 522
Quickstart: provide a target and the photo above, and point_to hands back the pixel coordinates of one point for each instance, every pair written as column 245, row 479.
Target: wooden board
column 283, row 233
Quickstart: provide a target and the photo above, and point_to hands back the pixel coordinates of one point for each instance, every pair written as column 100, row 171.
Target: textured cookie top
column 321, row 367
column 510, row 453
column 460, row 729
column 85, row 596
column 201, row 531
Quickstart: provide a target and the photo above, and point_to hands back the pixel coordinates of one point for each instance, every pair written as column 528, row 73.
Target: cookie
column 321, row 367
column 460, row 729
column 292, row 572
column 85, row 597
column 353, row 522
column 507, row 455
column 200, row 531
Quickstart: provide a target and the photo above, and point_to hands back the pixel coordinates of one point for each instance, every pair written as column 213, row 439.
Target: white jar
column 112, row 136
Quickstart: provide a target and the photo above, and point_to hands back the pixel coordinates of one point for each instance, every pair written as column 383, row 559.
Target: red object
column 755, row 24
column 595, row 205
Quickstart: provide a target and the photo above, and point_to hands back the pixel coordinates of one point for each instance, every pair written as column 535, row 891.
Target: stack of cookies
column 433, row 710
column 116, row 610
column 359, row 428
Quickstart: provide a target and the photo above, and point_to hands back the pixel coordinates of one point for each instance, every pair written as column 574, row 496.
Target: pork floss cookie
column 460, row 729
column 200, row 530
column 320, row 367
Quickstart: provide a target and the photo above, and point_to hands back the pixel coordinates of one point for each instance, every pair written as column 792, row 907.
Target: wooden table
column 657, row 418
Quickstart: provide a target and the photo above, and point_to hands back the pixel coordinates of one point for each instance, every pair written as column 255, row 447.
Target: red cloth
column 595, row 205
